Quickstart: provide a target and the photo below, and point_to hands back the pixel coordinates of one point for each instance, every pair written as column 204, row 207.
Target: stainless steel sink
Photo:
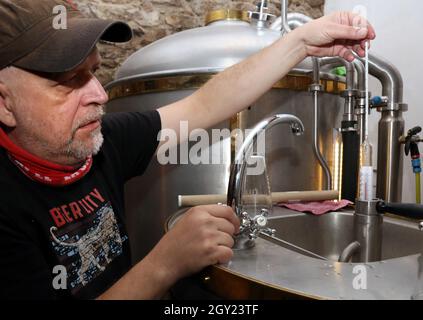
column 279, row 269
column 328, row 235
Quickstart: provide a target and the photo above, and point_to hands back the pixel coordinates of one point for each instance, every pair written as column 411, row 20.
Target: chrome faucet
column 252, row 226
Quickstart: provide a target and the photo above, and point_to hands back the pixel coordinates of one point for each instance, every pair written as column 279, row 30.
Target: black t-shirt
column 74, row 233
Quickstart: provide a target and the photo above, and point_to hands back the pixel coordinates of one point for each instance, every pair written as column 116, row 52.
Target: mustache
column 95, row 115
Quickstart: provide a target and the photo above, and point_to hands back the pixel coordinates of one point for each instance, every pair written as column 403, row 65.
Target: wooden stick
column 277, row 197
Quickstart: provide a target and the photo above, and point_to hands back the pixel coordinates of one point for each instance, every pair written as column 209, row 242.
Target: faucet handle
column 261, row 219
column 255, row 225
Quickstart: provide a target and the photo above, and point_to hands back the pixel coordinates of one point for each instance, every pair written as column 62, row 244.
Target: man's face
column 59, row 117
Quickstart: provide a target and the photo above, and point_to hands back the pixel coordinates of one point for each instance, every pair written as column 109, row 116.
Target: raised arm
column 241, row 85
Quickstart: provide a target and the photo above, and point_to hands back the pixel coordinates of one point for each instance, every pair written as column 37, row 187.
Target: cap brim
column 67, row 48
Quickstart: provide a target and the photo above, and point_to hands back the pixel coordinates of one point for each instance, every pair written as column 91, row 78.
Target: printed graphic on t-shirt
column 88, row 246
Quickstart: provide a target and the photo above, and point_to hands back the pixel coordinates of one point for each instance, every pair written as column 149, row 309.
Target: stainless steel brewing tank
column 173, row 68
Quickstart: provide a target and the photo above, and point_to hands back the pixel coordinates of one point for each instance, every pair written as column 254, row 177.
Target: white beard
column 81, row 152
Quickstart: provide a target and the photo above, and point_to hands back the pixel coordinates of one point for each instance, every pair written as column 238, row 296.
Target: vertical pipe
column 361, row 77
column 390, row 156
column 360, row 106
column 316, row 88
column 316, row 148
column 368, row 232
column 284, row 16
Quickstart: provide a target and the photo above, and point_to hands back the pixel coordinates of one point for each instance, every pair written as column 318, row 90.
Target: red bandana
column 41, row 170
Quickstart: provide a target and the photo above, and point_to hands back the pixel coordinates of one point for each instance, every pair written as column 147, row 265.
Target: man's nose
column 94, row 93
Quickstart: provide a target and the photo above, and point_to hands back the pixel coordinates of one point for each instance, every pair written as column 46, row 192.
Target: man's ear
column 6, row 114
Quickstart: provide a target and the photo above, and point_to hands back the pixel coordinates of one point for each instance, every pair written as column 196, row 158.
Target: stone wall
column 155, row 19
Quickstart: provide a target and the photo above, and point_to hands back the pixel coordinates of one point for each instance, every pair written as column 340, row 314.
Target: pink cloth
column 317, row 208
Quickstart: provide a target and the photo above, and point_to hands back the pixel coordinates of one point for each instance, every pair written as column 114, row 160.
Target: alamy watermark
column 60, row 279
column 202, row 147
column 60, row 20
column 60, row 12
column 360, row 280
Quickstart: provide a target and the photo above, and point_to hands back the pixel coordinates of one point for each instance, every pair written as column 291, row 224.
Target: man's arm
column 241, row 85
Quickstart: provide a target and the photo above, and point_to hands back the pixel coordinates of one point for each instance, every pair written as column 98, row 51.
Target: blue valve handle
column 376, row 101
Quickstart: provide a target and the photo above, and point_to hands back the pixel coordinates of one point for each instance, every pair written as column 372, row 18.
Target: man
column 63, row 167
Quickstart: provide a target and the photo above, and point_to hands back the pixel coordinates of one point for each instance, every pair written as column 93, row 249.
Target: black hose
column 350, row 160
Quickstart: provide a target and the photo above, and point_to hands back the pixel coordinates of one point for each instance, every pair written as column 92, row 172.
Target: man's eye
column 69, row 79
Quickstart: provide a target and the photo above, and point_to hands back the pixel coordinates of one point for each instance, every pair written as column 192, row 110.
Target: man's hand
column 203, row 237
column 337, row 34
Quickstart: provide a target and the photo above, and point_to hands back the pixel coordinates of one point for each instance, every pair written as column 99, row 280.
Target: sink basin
column 328, row 235
column 294, row 263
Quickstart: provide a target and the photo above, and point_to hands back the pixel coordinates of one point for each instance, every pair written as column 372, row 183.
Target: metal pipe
column 349, row 251
column 316, row 71
column 351, row 93
column 294, row 19
column 336, row 62
column 361, row 102
column 390, row 78
column 361, row 74
column 368, row 230
column 316, row 88
column 284, row 17
column 390, row 156
column 290, row 246
column 316, row 148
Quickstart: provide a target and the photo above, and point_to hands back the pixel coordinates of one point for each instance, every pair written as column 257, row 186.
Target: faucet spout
column 249, row 227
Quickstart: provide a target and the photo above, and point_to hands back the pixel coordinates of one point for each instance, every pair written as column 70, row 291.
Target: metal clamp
column 350, row 94
column 315, row 88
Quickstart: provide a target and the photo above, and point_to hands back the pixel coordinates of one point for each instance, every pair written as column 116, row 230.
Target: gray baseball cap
column 30, row 40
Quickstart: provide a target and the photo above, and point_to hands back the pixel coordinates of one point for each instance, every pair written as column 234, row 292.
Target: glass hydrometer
column 366, row 148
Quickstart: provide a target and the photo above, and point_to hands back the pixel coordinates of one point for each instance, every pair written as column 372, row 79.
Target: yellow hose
column 418, row 194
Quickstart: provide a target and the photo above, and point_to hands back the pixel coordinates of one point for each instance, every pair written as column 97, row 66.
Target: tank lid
column 227, row 14
column 200, row 50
